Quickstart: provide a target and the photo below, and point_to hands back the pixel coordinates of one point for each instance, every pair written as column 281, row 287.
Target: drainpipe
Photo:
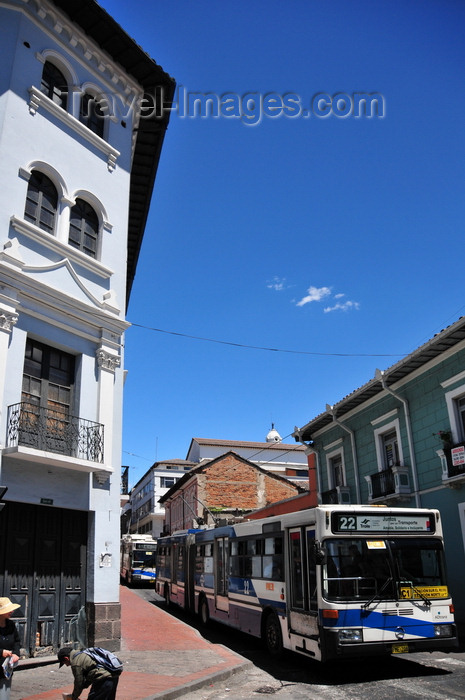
column 379, row 374
column 309, row 450
column 330, row 409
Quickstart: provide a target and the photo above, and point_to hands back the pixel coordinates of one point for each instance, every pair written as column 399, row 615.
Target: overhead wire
column 260, row 347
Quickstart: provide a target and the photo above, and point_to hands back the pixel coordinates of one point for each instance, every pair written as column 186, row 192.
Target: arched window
column 54, row 84
column 91, row 114
column 83, row 228
column 41, row 202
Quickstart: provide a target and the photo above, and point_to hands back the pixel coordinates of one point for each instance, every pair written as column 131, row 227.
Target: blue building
column 400, row 440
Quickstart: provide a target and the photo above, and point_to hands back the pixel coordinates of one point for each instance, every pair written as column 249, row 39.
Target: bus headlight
column 350, row 636
column 443, row 631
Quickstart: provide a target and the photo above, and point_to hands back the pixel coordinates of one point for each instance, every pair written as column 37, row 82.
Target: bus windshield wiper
column 417, row 591
column 378, row 593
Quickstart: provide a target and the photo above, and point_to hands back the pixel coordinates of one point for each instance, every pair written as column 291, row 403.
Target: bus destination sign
column 371, row 523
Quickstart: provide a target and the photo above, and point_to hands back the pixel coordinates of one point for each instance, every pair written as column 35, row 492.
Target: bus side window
column 272, row 558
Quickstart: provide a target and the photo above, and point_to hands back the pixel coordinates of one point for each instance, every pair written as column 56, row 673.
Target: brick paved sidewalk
column 163, row 659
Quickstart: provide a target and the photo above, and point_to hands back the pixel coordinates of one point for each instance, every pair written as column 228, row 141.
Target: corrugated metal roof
column 440, row 343
column 281, row 446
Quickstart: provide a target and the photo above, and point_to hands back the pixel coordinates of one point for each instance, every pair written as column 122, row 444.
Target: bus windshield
column 391, row 568
column 143, row 558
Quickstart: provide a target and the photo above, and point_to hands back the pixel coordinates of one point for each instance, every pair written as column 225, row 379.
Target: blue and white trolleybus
column 327, row 582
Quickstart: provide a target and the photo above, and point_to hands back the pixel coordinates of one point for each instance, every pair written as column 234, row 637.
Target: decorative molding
column 11, row 255
column 71, row 36
column 62, row 63
column 7, row 320
column 332, row 445
column 387, row 416
column 101, row 477
column 107, row 360
column 453, row 380
column 38, row 99
column 110, row 302
column 63, row 249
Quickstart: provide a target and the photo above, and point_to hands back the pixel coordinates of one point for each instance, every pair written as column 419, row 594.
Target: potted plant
column 446, row 438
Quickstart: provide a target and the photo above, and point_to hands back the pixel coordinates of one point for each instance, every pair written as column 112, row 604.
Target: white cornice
column 73, row 40
column 35, row 299
column 39, row 99
column 62, row 249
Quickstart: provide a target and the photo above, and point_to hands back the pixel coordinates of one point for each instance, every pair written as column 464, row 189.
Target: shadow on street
column 292, row 668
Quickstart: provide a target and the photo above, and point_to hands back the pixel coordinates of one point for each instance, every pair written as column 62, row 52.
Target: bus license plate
column 400, row 648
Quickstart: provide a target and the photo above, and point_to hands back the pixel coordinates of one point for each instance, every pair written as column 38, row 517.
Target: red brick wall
column 229, row 483
column 232, row 483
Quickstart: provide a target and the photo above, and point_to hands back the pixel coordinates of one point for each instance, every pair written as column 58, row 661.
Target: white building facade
column 284, row 459
column 71, row 221
column 147, row 515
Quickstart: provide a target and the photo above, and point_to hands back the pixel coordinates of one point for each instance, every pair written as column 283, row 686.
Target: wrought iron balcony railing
column 341, row 494
column 329, row 497
column 382, row 483
column 393, row 483
column 53, row 431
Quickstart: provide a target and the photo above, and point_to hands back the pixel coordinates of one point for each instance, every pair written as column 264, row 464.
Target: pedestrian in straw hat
column 9, row 645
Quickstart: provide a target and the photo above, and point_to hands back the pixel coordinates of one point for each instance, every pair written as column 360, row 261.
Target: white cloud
column 346, row 306
column 278, row 284
column 314, row 294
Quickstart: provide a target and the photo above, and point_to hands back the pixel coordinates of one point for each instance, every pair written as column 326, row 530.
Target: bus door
column 189, row 593
column 302, row 593
column 222, row 573
column 177, row 573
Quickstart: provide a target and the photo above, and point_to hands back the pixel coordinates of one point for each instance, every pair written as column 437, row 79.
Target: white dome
column 273, row 435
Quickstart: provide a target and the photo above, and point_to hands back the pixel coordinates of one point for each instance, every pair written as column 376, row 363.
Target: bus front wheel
column 272, row 635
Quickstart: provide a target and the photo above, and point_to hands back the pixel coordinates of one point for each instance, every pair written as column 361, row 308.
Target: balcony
column 341, row 495
column 33, row 431
column 392, row 484
column 453, row 464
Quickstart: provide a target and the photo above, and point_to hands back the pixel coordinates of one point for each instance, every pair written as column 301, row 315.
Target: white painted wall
column 56, row 293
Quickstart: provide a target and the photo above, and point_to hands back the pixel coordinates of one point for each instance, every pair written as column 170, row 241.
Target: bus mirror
column 318, row 552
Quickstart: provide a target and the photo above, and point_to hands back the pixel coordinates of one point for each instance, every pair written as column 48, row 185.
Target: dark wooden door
column 43, row 553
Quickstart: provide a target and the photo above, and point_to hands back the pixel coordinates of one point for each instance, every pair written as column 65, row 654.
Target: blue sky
column 336, row 241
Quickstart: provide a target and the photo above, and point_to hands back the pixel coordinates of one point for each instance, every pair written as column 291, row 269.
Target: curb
column 200, row 683
column 34, row 662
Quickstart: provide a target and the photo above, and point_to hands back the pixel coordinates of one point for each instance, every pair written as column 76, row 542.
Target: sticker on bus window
column 376, row 544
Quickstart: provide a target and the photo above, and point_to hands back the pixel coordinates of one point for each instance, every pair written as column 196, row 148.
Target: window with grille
column 83, row 228
column 54, row 84
column 390, row 449
column 41, row 202
column 48, row 379
column 337, row 471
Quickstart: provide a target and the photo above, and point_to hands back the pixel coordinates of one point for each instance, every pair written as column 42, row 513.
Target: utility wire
column 259, row 347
